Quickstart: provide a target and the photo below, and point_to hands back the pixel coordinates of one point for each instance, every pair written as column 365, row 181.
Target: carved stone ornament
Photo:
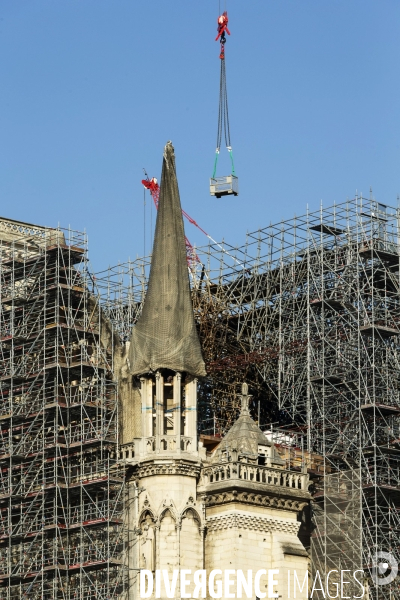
column 253, row 523
column 150, row 468
column 255, row 499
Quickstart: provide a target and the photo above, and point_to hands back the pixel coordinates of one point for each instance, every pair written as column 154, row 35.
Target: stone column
column 144, row 405
column 191, row 412
column 157, row 544
column 177, row 411
column 178, row 531
column 146, row 392
column 159, row 401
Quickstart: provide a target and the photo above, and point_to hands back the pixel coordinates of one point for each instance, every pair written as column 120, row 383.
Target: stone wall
column 247, row 539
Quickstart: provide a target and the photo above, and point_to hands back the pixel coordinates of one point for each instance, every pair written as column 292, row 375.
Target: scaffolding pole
column 307, row 312
column 61, row 483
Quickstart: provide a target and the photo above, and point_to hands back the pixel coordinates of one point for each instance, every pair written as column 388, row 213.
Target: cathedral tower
column 238, row 508
column 165, row 360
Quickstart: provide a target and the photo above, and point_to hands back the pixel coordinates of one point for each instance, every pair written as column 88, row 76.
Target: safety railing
column 254, row 474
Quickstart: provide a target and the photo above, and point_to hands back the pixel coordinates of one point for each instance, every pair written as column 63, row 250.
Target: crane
column 153, row 186
column 154, row 189
column 223, row 186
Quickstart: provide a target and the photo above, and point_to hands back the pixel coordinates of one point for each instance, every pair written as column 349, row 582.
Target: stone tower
column 235, row 509
column 165, row 356
column 253, row 504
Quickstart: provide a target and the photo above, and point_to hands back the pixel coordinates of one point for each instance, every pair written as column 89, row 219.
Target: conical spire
column 244, row 436
column 165, row 336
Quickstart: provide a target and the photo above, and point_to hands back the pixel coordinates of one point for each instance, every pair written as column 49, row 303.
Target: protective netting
column 165, row 336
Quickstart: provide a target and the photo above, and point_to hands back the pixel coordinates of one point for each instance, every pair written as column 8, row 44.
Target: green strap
column 215, row 163
column 233, row 166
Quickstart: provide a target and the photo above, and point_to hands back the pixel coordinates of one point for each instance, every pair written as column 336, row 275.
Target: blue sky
column 91, row 90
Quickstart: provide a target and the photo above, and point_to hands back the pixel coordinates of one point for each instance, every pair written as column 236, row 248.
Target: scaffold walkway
column 61, row 485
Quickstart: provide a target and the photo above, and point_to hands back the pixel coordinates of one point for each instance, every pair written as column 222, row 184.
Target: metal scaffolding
column 308, row 313
column 61, row 485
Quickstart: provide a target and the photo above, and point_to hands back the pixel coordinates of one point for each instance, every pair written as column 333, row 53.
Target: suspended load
column 227, row 184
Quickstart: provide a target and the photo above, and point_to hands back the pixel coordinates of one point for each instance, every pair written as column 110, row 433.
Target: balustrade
column 168, row 443
column 255, row 474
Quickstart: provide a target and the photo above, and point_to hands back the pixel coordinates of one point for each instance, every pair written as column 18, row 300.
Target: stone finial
column 245, row 397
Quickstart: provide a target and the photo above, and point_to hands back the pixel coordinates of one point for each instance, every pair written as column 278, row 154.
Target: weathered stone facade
column 222, row 511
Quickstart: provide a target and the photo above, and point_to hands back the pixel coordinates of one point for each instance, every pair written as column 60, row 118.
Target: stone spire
column 165, row 335
column 245, row 437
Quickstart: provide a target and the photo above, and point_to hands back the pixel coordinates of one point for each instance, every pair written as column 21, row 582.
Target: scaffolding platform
column 61, row 490
column 224, row 186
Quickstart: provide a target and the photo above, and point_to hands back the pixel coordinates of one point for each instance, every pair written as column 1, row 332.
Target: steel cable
column 223, row 114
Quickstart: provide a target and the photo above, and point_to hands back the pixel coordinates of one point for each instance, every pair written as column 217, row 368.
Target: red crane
column 192, row 258
column 222, row 27
column 154, row 189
